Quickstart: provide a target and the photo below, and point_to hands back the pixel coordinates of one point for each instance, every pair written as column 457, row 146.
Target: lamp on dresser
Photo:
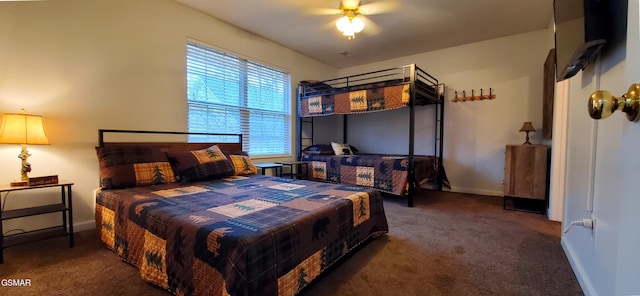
column 23, row 129
column 527, row 127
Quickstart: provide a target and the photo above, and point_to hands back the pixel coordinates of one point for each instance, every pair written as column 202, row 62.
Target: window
column 233, row 95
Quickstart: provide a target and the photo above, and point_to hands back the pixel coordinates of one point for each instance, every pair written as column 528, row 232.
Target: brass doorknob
column 602, row 103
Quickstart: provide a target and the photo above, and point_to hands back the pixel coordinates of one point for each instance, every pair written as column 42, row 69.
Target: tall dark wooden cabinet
column 548, row 93
column 526, row 173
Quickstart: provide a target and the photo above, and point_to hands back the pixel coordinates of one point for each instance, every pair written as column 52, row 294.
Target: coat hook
column 464, row 95
column 473, row 96
column 481, row 96
column 490, row 95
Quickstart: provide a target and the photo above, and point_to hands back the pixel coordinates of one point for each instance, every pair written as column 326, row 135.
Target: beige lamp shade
column 25, row 129
column 527, row 127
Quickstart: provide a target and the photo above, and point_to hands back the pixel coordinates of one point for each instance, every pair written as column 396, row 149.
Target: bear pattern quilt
column 253, row 235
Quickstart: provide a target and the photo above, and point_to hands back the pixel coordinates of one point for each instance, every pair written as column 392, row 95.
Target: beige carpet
column 448, row 244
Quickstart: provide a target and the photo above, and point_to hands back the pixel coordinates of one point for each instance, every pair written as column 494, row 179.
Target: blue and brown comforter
column 388, row 173
column 255, row 235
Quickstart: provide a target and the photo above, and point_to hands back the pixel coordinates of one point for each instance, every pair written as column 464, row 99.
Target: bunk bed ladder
column 412, row 116
column 304, row 141
column 308, row 139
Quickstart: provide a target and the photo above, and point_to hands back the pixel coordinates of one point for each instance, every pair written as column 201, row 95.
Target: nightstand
column 297, row 169
column 65, row 207
column 276, row 168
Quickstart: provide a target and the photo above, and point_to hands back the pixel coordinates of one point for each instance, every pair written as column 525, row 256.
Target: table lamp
column 24, row 129
column 527, row 127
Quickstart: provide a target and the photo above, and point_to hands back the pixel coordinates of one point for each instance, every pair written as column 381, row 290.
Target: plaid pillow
column 243, row 165
column 130, row 166
column 201, row 165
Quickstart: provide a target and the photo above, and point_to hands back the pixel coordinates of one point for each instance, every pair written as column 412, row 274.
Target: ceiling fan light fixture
column 349, row 33
column 357, row 24
column 343, row 23
column 349, row 26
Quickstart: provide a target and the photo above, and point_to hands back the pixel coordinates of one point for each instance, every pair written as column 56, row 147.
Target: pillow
column 318, row 149
column 200, row 165
column 243, row 165
column 130, row 166
column 341, row 149
column 238, row 152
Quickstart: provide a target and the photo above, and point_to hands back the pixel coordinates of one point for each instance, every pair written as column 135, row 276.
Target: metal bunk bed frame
column 414, row 74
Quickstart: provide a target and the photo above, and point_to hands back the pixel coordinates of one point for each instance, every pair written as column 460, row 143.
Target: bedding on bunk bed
column 240, row 235
column 368, row 92
column 388, row 173
column 360, row 100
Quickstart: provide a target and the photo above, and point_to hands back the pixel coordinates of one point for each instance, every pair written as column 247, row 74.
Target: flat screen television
column 580, row 33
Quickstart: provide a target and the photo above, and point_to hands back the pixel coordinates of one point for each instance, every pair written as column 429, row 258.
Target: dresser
column 526, row 173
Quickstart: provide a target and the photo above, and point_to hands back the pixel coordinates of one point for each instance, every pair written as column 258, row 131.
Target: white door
column 628, row 248
column 603, row 176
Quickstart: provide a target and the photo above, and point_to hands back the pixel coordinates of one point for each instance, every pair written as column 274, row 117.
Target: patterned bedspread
column 359, row 101
column 255, row 235
column 388, row 173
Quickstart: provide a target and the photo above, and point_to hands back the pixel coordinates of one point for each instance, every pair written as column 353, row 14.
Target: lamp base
column 526, row 142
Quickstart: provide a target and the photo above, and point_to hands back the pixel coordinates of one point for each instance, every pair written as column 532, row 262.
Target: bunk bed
column 388, row 89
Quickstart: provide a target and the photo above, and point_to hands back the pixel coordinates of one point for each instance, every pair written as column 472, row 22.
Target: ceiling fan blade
column 322, row 11
column 350, row 4
column 379, row 7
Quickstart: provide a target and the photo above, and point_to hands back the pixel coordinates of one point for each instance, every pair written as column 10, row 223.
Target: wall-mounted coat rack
column 474, row 97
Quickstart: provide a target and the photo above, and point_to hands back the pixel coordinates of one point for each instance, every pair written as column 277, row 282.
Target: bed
column 377, row 91
column 386, row 173
column 234, row 234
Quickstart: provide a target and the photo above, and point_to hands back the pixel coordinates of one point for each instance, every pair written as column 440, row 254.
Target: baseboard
column 578, row 269
column 82, row 226
column 476, row 191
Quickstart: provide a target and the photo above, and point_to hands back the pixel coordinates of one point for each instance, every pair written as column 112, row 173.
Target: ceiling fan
column 353, row 17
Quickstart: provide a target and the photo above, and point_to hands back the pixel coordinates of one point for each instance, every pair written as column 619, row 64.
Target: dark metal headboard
column 236, row 145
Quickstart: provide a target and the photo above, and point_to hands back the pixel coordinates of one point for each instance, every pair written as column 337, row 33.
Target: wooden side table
column 526, row 174
column 65, row 207
column 276, row 168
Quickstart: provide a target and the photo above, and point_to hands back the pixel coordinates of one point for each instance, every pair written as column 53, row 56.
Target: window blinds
column 229, row 94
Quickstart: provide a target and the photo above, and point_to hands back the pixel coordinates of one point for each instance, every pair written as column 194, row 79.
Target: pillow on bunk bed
column 201, row 165
column 131, row 166
column 341, row 149
column 318, row 149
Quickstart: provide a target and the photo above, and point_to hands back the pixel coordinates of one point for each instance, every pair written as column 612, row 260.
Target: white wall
column 475, row 132
column 602, row 171
column 120, row 64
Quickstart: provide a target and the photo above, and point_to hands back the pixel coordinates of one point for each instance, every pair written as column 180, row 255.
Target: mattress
column 388, row 173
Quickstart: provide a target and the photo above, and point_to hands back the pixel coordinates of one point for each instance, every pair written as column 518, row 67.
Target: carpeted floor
column 448, row 244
